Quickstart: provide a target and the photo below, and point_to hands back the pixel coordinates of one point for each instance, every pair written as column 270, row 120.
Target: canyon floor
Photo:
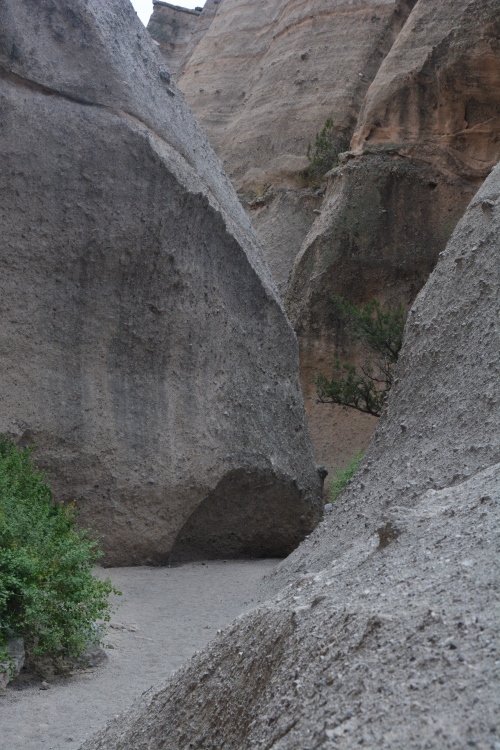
column 163, row 616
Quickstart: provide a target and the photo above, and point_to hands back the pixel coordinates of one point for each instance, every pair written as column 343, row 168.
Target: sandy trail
column 167, row 614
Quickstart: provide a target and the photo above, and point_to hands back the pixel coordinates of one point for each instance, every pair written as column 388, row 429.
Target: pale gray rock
column 143, row 346
column 11, row 668
column 91, row 659
column 383, row 629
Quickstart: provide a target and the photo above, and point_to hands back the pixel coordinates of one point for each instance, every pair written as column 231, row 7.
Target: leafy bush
column 380, row 332
column 48, row 593
column 342, row 476
column 329, row 143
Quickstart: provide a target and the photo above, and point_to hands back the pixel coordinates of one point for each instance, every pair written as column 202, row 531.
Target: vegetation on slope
column 48, row 593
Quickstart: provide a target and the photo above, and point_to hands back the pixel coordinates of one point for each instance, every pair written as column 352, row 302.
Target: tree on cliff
column 380, row 332
column 329, row 143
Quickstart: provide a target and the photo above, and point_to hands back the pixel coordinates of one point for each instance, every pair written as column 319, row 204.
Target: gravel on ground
column 163, row 617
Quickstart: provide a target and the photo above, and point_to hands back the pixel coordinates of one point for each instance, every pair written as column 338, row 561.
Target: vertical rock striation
column 143, row 346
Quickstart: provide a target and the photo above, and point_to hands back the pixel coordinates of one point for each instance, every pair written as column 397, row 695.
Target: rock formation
column 172, row 27
column 262, row 79
column 418, row 84
column 383, row 630
column 427, row 136
column 144, row 348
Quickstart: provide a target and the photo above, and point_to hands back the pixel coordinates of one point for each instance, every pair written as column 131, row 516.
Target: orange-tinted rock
column 428, row 134
column 437, row 92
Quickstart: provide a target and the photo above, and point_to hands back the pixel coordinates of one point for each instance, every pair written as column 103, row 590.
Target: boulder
column 381, row 629
column 144, row 349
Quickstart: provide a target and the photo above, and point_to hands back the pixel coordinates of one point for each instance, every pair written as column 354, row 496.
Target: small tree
column 380, row 332
column 329, row 143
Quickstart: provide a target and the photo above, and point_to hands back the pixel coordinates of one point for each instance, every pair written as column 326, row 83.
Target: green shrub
column 48, row 593
column 342, row 476
column 329, row 143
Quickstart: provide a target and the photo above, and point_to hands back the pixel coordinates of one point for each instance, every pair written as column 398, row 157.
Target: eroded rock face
column 417, row 83
column 143, row 346
column 172, row 27
column 262, row 79
column 438, row 88
column 383, row 623
column 426, row 138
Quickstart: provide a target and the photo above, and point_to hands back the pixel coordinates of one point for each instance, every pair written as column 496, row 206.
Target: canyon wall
column 172, row 27
column 144, row 349
column 427, row 136
column 263, row 78
column 382, row 628
column 416, row 84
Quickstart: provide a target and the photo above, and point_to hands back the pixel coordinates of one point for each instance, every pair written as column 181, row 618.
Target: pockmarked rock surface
column 143, row 346
column 383, row 628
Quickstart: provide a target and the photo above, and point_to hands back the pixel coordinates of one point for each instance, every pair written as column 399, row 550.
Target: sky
column 144, row 8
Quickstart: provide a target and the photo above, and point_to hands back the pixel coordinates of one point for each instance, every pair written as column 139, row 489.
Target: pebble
column 44, row 686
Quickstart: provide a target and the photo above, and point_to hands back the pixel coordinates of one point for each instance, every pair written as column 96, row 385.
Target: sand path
column 163, row 617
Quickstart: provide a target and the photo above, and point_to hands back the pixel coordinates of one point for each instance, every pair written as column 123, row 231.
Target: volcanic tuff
column 172, row 27
column 143, row 345
column 427, row 136
column 384, row 628
column 417, row 82
column 262, row 80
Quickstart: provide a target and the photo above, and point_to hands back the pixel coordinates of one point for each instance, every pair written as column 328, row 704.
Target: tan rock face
column 438, row 88
column 172, row 27
column 143, row 347
column 381, row 625
column 427, row 136
column 262, row 82
column 262, row 79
